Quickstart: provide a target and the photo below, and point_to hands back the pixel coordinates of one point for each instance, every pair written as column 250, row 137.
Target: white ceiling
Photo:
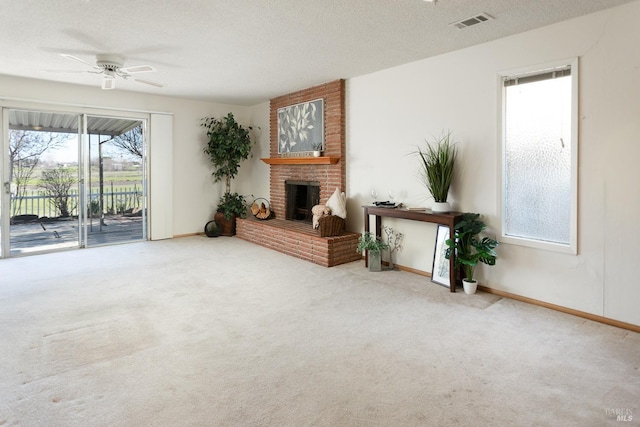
column 248, row 51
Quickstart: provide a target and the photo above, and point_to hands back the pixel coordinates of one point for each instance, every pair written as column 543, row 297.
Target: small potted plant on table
column 374, row 247
column 470, row 249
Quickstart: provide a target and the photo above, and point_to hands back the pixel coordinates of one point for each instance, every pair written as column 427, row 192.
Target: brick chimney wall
column 330, row 176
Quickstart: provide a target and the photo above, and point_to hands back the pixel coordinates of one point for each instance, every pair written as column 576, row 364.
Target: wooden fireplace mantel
column 322, row 160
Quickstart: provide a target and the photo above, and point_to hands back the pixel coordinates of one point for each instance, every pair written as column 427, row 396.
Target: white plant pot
column 469, row 287
column 441, row 207
column 316, row 153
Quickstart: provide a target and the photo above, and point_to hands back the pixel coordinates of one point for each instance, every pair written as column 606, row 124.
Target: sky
column 67, row 152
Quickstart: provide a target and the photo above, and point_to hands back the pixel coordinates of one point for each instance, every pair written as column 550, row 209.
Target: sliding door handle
column 10, row 188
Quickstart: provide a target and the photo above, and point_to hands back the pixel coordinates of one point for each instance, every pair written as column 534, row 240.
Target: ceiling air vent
column 467, row 22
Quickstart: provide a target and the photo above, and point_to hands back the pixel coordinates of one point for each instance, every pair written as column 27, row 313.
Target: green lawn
column 120, row 179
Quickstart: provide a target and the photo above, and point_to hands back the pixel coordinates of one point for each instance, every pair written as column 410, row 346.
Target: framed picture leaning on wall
column 440, row 267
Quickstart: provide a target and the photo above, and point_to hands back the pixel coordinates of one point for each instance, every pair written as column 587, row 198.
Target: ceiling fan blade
column 75, row 58
column 108, row 83
column 68, row 71
column 138, row 69
column 150, row 82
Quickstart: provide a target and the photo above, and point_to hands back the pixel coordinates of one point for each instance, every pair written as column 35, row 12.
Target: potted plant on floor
column 228, row 144
column 470, row 249
column 374, row 247
column 437, row 160
column 230, row 207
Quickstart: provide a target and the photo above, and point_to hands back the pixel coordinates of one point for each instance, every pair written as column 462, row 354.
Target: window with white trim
column 539, row 157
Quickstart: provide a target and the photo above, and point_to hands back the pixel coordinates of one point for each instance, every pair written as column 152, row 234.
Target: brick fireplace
column 298, row 238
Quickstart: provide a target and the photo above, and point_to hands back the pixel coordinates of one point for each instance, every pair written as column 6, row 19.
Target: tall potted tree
column 437, row 160
column 228, row 144
column 470, row 249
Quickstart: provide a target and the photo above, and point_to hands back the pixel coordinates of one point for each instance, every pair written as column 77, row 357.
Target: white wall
column 254, row 173
column 195, row 195
column 392, row 111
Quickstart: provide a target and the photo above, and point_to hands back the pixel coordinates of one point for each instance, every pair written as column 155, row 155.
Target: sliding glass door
column 41, row 181
column 115, row 181
column 71, row 180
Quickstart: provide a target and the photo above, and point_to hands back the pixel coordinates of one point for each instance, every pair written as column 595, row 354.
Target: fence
column 40, row 204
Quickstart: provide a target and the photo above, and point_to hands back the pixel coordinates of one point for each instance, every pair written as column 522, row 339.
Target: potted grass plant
column 470, row 249
column 374, row 247
column 228, row 144
column 437, row 160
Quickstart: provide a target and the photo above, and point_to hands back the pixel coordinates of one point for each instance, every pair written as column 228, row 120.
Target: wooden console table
column 449, row 219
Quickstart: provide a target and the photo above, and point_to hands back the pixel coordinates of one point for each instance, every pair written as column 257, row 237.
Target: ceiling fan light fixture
column 108, row 83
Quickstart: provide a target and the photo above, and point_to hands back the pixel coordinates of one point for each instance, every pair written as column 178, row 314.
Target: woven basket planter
column 330, row 226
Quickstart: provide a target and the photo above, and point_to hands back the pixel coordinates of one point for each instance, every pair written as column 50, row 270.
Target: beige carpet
column 220, row 332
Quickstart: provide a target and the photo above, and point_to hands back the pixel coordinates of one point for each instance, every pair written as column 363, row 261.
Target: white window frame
column 572, row 246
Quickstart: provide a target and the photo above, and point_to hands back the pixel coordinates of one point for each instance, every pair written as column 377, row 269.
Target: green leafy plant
column 437, row 160
column 370, row 243
column 317, row 146
column 229, row 143
column 233, row 204
column 469, row 248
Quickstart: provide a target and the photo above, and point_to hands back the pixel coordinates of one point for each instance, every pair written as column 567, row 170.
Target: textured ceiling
column 248, row 51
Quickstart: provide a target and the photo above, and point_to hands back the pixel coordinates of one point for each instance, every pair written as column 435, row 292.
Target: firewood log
column 263, row 212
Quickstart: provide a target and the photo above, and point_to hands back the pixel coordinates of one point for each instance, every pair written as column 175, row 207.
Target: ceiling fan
column 111, row 66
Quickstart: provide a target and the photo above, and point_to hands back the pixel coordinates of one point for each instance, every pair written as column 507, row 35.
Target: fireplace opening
column 301, row 196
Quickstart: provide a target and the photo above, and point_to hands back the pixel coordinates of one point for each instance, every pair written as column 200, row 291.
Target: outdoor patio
column 60, row 233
